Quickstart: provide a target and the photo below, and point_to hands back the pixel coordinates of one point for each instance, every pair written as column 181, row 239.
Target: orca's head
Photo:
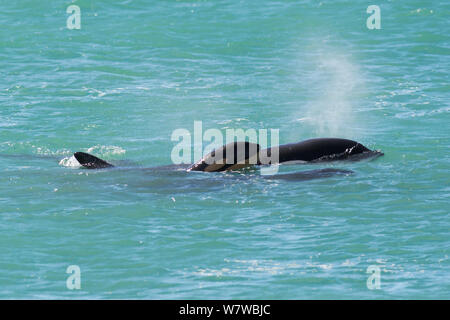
column 232, row 156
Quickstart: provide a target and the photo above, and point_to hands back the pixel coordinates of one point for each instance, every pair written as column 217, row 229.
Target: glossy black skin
column 91, row 162
column 318, row 149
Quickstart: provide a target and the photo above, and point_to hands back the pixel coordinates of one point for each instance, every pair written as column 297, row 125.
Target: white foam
column 106, row 150
column 70, row 162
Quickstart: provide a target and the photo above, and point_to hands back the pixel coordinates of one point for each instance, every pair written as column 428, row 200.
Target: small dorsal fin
column 91, row 162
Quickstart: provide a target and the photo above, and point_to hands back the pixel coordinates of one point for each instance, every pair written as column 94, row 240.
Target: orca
column 238, row 155
column 91, row 162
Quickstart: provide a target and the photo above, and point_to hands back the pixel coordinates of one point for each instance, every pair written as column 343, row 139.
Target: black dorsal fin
column 91, row 162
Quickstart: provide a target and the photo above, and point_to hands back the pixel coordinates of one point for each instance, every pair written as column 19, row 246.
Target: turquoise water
column 137, row 70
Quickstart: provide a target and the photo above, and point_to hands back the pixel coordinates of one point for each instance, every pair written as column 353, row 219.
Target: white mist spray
column 332, row 83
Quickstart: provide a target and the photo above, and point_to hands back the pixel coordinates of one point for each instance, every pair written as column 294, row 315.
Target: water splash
column 69, row 162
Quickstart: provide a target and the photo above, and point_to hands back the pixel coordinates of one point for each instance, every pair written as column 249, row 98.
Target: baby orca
column 232, row 156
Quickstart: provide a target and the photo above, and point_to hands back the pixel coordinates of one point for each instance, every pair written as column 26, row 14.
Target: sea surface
column 136, row 71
